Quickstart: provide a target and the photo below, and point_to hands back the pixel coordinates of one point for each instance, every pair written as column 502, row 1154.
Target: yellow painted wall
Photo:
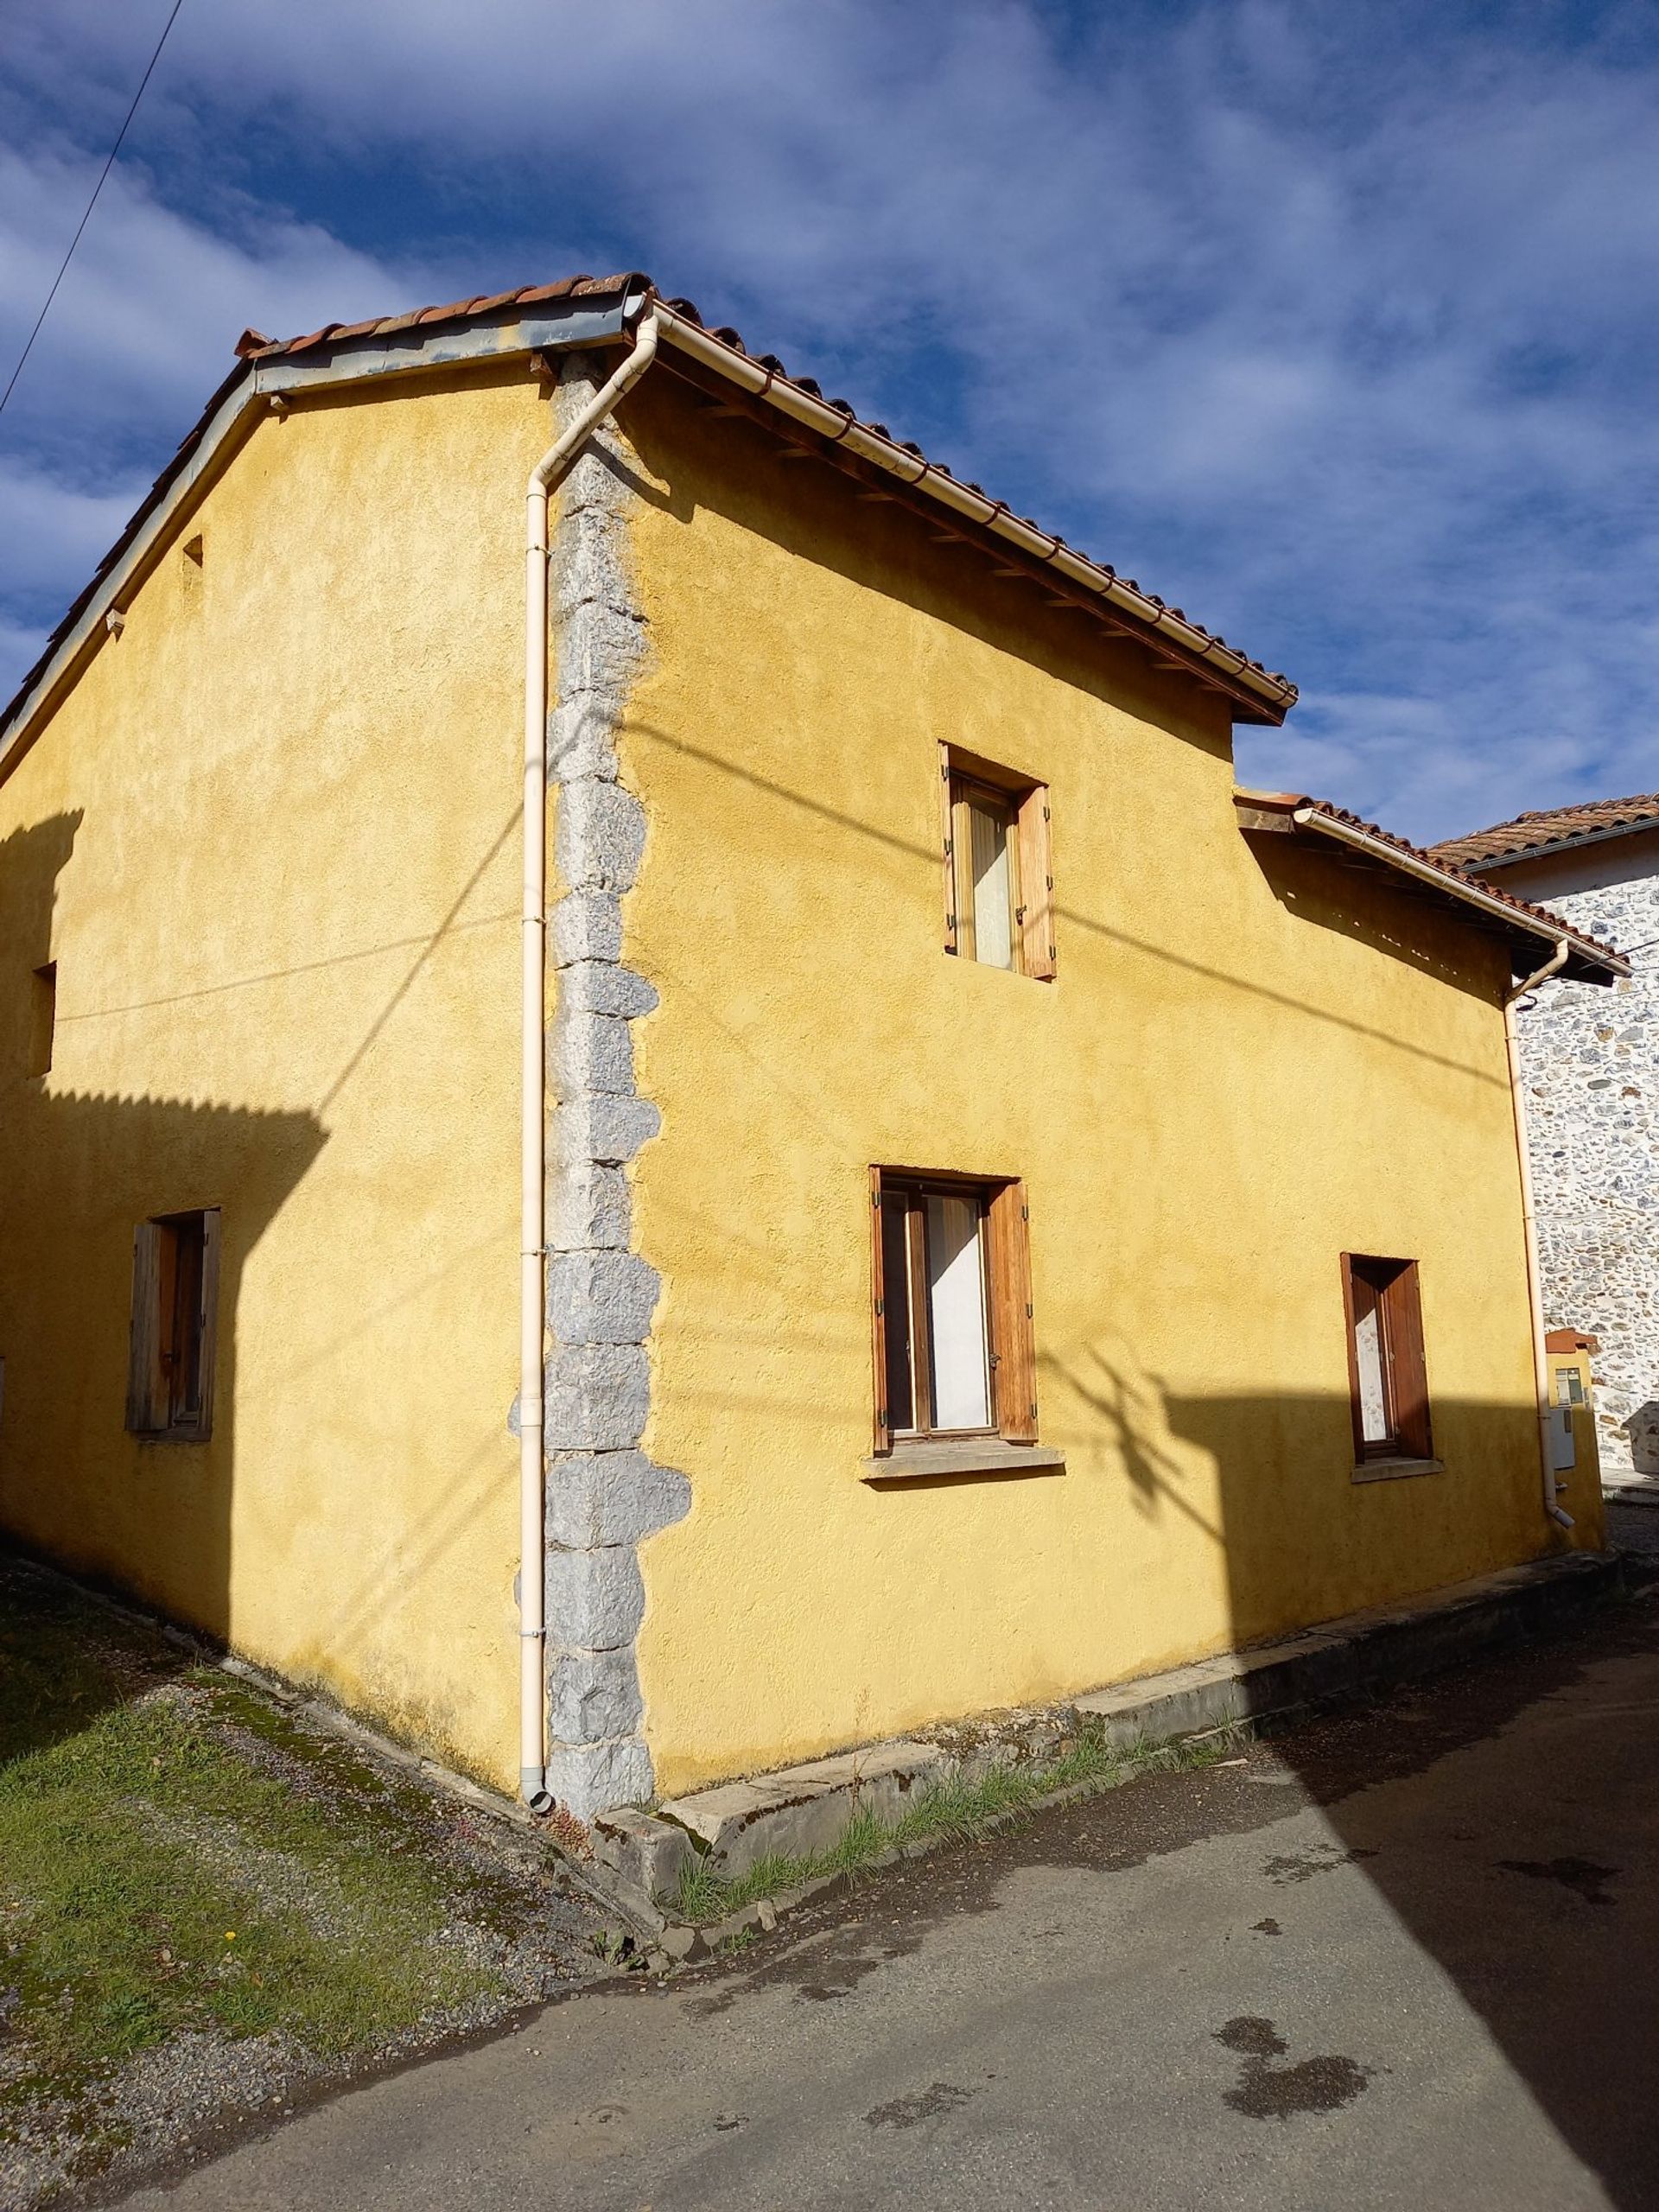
column 271, row 841
column 1251, row 1060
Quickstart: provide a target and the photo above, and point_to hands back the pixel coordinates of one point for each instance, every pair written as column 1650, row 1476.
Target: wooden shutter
column 1404, row 1319
column 1350, row 1317
column 883, row 1426
column 1011, row 1316
column 209, row 1322
column 146, row 1376
column 949, row 849
column 1036, row 885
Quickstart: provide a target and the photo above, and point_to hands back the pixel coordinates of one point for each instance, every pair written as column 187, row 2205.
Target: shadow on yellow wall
column 83, row 1172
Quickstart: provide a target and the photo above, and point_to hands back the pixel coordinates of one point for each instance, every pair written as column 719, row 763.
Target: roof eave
column 1288, row 812
column 1258, row 696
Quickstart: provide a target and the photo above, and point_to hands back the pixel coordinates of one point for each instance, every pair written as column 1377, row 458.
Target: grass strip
column 177, row 1856
column 955, row 1807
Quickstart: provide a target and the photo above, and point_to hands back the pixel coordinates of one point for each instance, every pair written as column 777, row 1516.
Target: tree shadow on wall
column 82, row 1172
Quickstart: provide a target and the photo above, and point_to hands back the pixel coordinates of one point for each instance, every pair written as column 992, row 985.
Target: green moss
column 955, row 1807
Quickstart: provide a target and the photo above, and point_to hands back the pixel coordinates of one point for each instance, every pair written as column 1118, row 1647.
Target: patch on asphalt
column 1269, row 2092
column 1319, row 1859
column 1581, row 1875
column 1265, row 1928
column 910, row 2111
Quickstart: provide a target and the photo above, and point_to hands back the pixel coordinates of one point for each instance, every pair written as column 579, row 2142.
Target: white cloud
column 1331, row 326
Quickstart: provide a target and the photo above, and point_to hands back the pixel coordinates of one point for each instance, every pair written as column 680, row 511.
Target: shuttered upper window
column 174, row 1309
column 952, row 1310
column 1387, row 1375
column 998, row 884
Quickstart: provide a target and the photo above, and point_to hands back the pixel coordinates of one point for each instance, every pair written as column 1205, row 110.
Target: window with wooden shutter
column 999, row 881
column 43, row 1019
column 173, row 1345
column 952, row 1310
column 1387, row 1374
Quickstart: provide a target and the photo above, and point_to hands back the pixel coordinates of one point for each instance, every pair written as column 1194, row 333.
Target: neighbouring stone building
column 1591, row 1064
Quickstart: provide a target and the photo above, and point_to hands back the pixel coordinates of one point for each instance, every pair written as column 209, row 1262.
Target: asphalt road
column 1402, row 1959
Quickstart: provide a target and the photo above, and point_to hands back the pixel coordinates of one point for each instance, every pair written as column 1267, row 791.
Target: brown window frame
column 173, row 1346
column 1393, row 1289
column 963, row 776
column 1005, row 1277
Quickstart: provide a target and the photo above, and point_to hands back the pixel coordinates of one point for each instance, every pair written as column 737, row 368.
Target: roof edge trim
column 240, row 401
column 1639, row 826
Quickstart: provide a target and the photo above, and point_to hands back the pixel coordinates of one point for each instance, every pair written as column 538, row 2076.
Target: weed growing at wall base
column 955, row 1809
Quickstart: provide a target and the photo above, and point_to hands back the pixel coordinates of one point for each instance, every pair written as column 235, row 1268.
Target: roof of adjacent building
column 1549, row 830
column 1590, row 960
column 794, row 402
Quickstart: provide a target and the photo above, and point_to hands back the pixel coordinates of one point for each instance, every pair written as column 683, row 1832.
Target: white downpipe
column 1529, row 1226
column 532, row 1621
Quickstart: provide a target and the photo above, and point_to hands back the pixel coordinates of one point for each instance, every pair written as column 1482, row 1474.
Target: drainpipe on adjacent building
column 532, row 1604
column 1529, row 1226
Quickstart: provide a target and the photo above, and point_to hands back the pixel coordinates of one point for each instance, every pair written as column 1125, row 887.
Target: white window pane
column 1367, row 1343
column 993, row 927
column 956, row 1311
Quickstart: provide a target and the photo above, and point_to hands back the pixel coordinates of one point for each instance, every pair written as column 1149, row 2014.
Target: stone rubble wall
column 1590, row 1060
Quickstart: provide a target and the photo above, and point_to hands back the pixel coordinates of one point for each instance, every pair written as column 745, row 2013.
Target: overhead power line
column 90, row 204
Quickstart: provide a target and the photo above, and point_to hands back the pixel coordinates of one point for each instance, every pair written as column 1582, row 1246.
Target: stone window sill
column 960, row 1455
column 1394, row 1470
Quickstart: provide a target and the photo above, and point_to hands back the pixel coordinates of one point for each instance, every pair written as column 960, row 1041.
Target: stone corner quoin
column 604, row 1493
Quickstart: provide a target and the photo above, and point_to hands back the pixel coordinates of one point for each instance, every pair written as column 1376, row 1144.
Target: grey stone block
column 597, row 1397
column 588, row 1207
column 611, row 1497
column 596, row 1600
column 648, row 1853
column 602, row 987
column 589, row 1052
column 806, row 1809
column 592, row 1695
column 580, row 739
column 600, row 1298
column 600, row 835
column 597, row 1126
column 589, row 1778
column 585, row 925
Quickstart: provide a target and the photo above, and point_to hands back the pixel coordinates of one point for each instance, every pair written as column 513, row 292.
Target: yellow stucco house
column 1007, row 1211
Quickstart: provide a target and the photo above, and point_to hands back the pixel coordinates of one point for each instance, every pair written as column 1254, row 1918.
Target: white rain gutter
column 897, row 461
column 1379, row 849
column 532, row 1594
column 1528, row 1222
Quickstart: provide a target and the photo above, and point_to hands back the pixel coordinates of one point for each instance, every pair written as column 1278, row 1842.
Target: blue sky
column 1336, row 326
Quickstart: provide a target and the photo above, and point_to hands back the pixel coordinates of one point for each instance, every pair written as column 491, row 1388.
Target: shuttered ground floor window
column 175, row 1316
column 1388, row 1376
column 954, row 1354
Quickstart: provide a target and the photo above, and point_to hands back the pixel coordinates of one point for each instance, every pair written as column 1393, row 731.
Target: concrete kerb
column 802, row 1811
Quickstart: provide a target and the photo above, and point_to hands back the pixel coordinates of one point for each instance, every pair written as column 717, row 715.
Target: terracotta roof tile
column 253, row 348
column 1542, row 831
column 1434, row 856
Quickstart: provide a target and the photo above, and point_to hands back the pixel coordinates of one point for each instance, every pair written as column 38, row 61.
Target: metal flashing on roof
column 1553, row 830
